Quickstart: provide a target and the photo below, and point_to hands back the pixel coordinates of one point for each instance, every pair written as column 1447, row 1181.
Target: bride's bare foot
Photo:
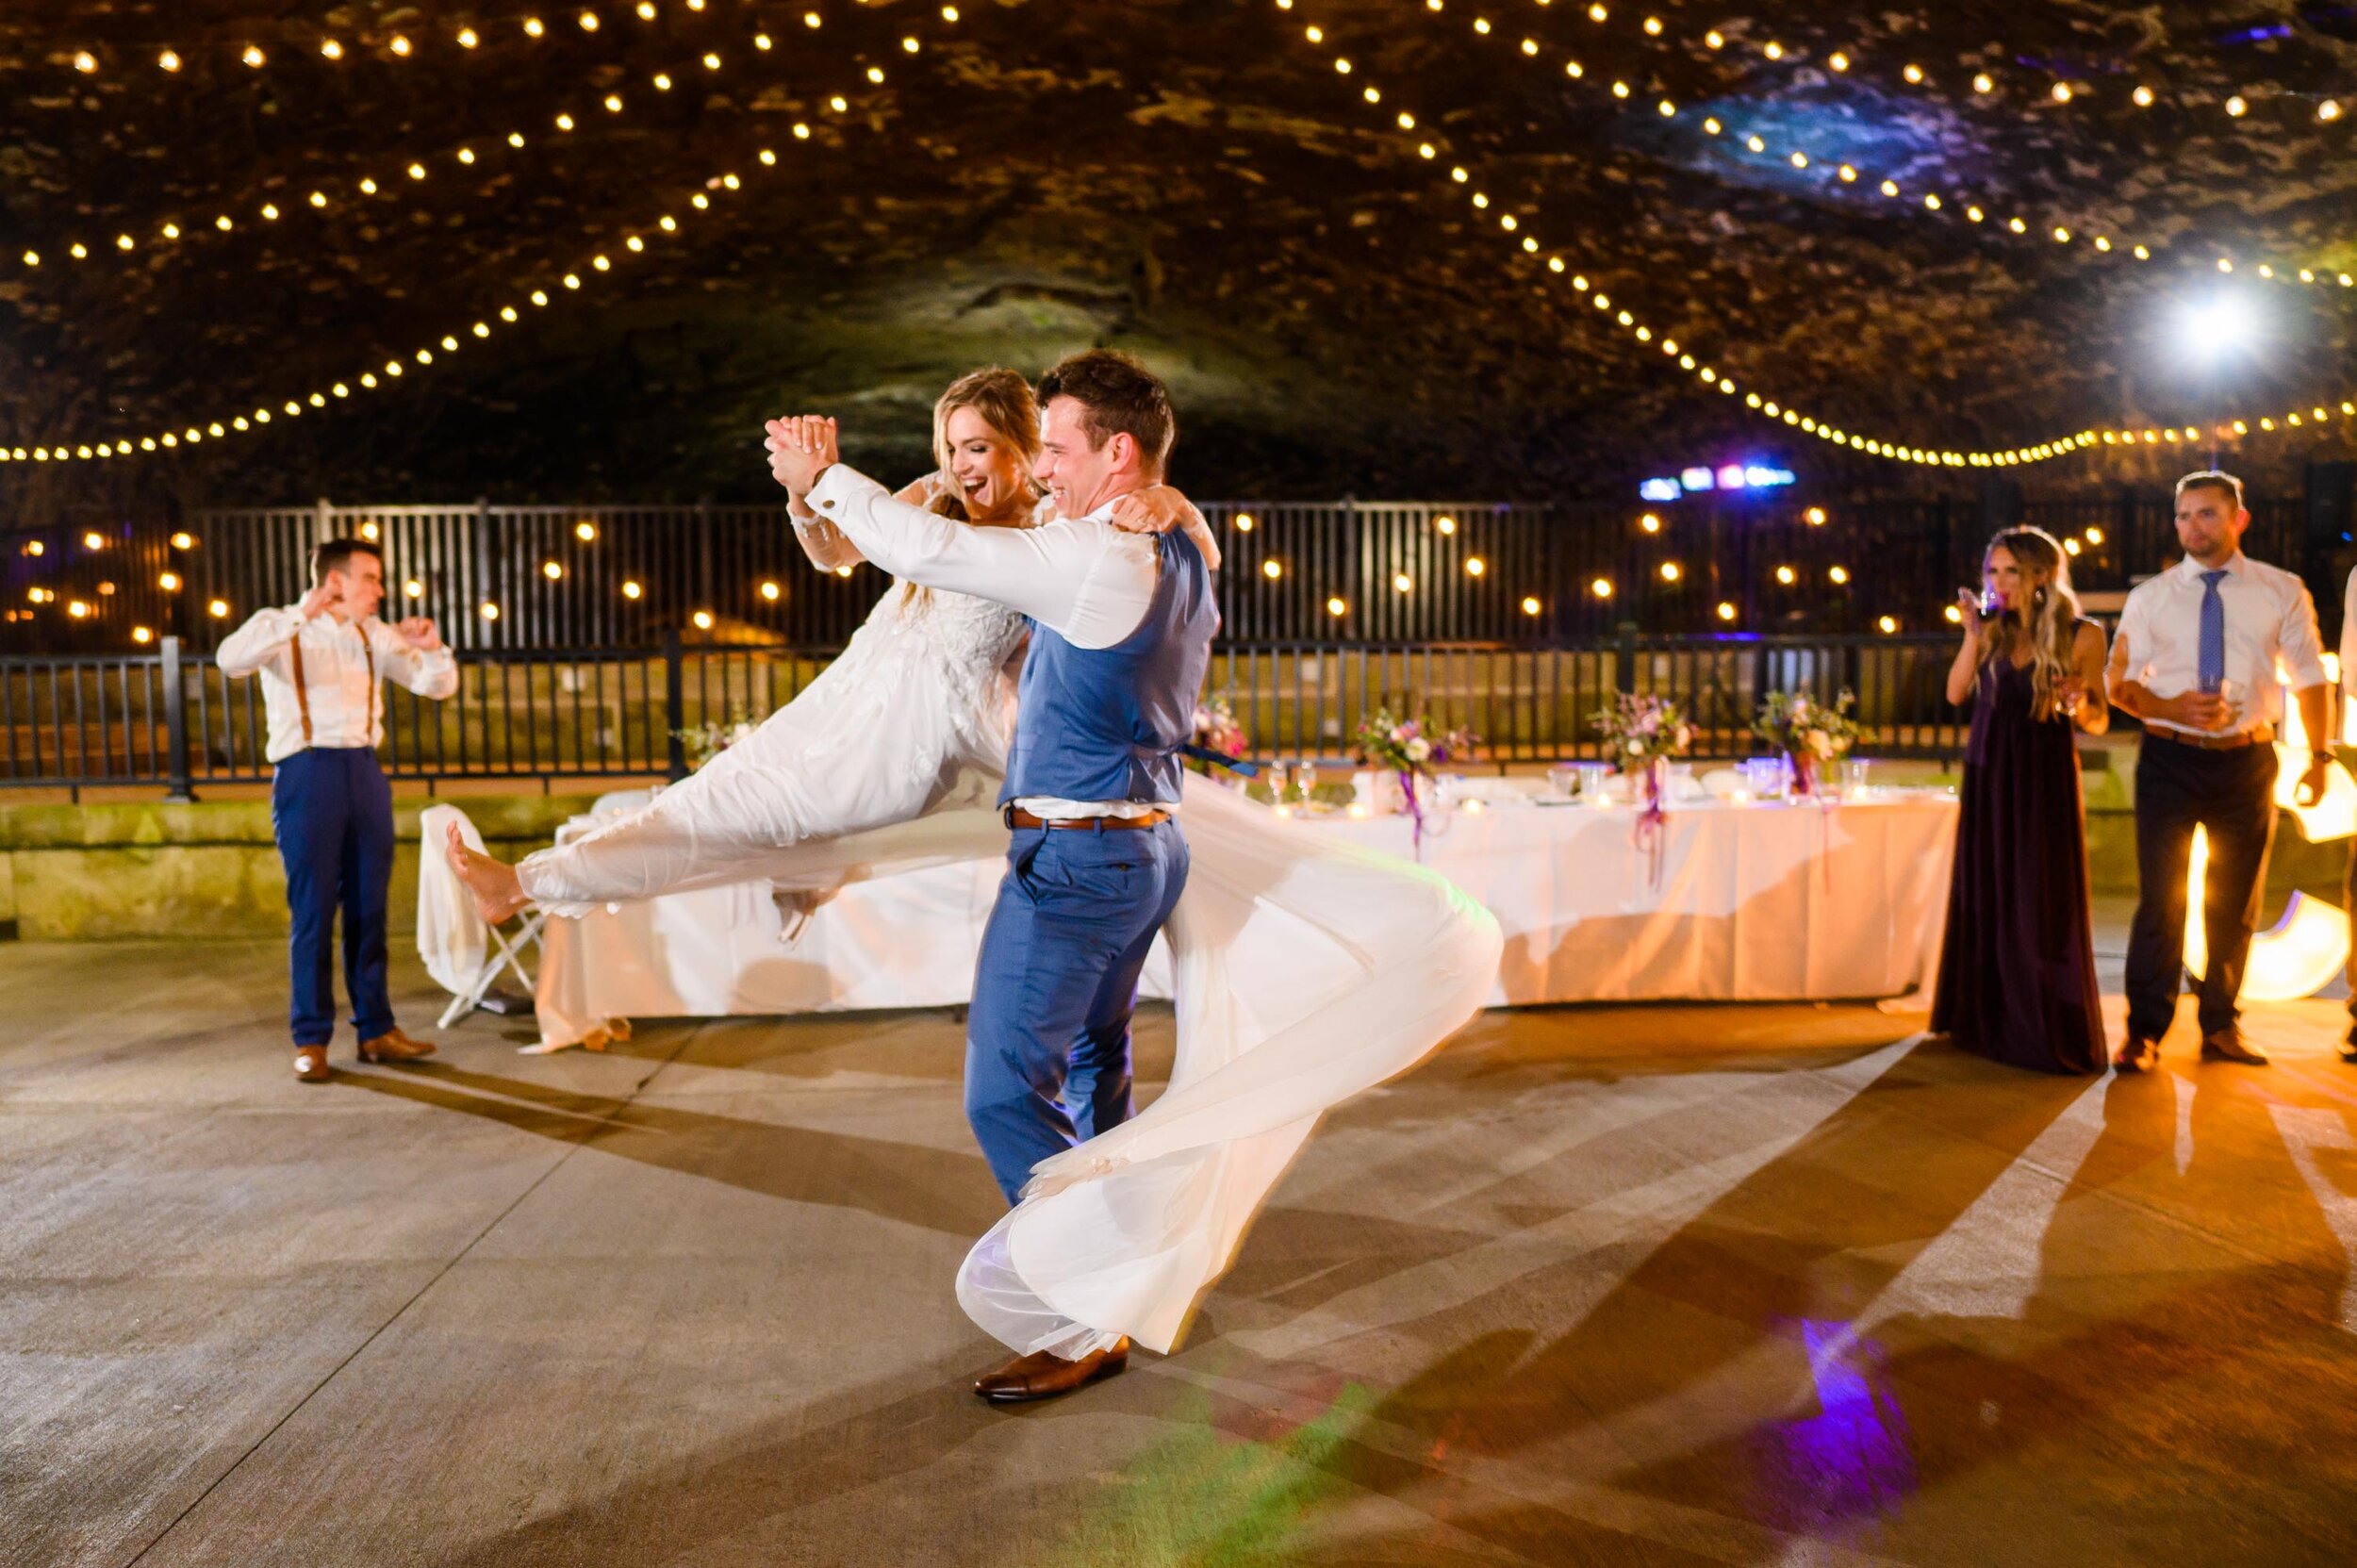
column 498, row 893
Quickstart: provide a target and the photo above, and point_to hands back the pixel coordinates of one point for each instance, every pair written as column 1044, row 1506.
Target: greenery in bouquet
column 1638, row 729
column 1805, row 729
column 705, row 741
column 1411, row 747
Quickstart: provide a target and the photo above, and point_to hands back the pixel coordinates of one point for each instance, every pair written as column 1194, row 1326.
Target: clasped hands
column 802, row 447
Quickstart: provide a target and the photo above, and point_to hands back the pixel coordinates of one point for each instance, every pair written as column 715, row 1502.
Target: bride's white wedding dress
column 1308, row 968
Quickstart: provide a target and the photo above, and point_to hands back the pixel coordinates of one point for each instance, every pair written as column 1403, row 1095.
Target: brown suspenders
column 303, row 691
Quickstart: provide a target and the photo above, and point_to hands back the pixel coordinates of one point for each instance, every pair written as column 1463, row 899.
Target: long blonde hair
column 2054, row 618
column 1004, row 400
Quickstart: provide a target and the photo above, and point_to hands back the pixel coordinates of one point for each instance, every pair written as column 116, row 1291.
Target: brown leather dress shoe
column 1043, row 1375
column 2228, row 1045
column 2137, row 1055
column 311, row 1063
column 393, row 1046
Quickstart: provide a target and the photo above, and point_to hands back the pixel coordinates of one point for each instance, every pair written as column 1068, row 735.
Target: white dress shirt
column 346, row 706
column 1082, row 578
column 2270, row 621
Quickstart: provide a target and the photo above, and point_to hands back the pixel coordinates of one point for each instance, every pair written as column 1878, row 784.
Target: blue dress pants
column 331, row 813
column 1048, row 1037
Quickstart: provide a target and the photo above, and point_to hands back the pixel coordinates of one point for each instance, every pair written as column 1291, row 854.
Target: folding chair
column 453, row 938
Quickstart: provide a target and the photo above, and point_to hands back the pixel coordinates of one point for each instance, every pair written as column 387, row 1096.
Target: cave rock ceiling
column 1912, row 223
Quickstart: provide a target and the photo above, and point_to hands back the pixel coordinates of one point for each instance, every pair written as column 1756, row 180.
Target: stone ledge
column 120, row 870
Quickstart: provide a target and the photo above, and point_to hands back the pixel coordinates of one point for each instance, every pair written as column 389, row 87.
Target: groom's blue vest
column 1106, row 723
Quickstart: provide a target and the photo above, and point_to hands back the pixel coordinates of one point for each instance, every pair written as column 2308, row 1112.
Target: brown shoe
column 2137, row 1055
column 2226, row 1045
column 393, row 1046
column 1043, row 1375
column 311, row 1063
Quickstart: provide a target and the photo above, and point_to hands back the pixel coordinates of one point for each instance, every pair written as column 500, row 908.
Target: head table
column 1742, row 903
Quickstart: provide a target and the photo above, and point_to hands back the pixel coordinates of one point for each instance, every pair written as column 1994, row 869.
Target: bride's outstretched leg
column 497, row 893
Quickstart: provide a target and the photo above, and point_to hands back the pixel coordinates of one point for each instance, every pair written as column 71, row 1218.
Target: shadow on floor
column 908, row 1182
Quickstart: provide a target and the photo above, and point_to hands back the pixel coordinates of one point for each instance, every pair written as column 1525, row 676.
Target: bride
column 1306, row 968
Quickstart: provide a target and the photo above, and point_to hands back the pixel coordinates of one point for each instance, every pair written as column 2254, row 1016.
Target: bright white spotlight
column 2222, row 325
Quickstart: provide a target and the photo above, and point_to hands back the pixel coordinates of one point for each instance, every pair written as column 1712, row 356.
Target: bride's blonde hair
column 2054, row 618
column 1004, row 400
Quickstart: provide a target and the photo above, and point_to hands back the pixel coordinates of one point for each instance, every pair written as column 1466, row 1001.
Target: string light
column 334, row 50
column 1824, row 430
column 1763, row 145
column 448, row 343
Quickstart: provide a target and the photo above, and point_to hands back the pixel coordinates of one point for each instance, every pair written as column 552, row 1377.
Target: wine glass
column 1305, row 779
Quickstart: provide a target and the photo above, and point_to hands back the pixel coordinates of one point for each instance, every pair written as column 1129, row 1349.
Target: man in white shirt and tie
column 2196, row 659
column 330, row 807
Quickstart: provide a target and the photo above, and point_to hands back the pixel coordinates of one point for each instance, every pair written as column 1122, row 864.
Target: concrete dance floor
column 1677, row 1286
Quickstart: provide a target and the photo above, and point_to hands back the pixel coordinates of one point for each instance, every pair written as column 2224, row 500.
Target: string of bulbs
column 398, row 173
column 1509, row 226
column 295, row 42
column 1993, row 81
column 507, row 315
column 700, row 200
column 2114, row 242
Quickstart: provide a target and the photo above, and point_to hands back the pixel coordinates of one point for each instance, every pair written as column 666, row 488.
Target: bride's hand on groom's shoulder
column 1155, row 510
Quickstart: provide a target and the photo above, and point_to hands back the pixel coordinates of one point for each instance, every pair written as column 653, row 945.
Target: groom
column 1122, row 627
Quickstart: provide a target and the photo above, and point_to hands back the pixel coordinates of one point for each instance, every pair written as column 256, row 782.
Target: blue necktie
column 2210, row 657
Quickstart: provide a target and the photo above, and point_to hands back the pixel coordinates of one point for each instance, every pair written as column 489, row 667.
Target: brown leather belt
column 2262, row 735
column 1018, row 817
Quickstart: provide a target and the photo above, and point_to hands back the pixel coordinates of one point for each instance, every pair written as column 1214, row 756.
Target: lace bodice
column 972, row 634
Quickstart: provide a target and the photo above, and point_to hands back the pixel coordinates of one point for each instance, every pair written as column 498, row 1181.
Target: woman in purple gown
column 2017, row 970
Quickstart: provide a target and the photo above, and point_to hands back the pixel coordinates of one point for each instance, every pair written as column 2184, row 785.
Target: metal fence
column 512, row 578
column 172, row 720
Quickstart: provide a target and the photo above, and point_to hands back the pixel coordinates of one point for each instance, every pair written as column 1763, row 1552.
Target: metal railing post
column 1624, row 658
column 675, row 704
column 177, row 786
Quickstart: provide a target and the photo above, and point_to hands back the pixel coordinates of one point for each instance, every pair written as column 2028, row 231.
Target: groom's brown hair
column 1121, row 397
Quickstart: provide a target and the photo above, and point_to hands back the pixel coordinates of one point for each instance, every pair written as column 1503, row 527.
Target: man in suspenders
column 330, row 806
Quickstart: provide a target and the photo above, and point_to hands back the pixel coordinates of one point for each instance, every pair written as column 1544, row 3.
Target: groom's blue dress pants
column 332, row 812
column 1048, row 1037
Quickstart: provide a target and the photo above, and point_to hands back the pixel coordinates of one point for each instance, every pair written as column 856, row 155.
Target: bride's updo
column 1004, row 400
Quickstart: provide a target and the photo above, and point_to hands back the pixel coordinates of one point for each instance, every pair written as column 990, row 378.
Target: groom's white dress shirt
column 1082, row 578
column 347, row 704
column 2270, row 620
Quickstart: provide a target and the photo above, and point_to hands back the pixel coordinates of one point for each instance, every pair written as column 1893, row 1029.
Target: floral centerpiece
column 1216, row 731
column 1642, row 734
column 1812, row 734
column 705, row 741
column 1411, row 747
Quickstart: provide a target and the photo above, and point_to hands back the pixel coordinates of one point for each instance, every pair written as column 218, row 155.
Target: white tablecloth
column 1757, row 903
